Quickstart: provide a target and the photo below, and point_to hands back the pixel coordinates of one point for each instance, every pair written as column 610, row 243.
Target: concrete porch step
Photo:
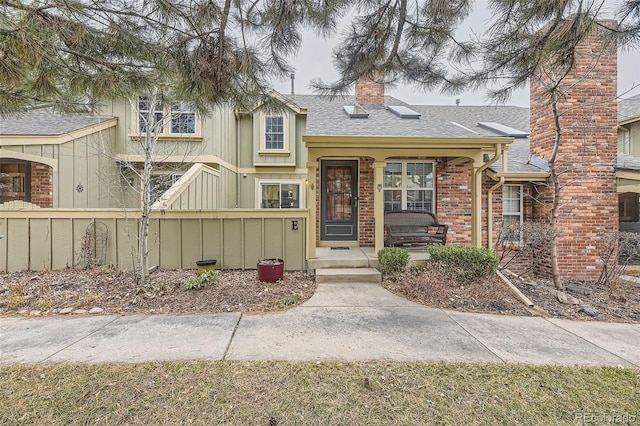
column 343, row 263
column 348, row 275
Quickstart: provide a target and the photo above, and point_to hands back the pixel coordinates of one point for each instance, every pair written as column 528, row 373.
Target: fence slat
column 52, row 238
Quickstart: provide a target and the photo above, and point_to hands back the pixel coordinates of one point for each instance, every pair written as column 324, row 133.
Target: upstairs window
column 144, row 111
column 180, row 119
column 183, row 119
column 274, row 132
column 409, row 186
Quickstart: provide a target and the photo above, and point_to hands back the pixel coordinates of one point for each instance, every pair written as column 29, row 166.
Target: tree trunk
column 149, row 142
column 555, row 206
column 555, row 268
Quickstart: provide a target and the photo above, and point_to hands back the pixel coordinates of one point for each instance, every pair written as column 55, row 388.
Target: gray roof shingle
column 628, row 162
column 327, row 117
column 629, row 108
column 45, row 122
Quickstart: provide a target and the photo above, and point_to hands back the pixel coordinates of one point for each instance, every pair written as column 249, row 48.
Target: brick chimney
column 586, row 156
column 369, row 92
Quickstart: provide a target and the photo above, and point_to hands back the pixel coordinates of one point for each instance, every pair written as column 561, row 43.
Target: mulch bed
column 42, row 293
column 433, row 286
column 617, row 303
column 48, row 292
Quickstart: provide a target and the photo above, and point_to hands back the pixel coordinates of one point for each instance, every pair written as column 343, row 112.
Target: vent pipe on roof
column 458, row 102
column 293, row 79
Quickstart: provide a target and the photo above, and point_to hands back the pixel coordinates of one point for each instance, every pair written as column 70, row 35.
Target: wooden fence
column 43, row 239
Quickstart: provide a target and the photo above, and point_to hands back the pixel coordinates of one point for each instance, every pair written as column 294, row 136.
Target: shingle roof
column 327, row 117
column 629, row 108
column 628, row 162
column 45, row 122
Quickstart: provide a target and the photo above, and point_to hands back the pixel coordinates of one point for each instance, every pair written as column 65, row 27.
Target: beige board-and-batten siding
column 44, row 239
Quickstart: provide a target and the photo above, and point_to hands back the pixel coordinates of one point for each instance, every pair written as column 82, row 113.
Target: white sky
column 314, row 61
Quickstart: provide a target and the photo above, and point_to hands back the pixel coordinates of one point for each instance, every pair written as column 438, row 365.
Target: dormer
column 275, row 135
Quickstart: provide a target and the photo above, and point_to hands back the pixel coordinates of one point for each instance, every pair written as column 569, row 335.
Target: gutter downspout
column 478, row 182
column 486, row 165
column 490, row 211
column 237, row 158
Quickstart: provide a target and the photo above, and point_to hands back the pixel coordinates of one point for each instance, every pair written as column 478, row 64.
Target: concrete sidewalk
column 346, row 322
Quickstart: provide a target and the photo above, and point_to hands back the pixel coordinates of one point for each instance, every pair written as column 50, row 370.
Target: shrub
column 291, row 300
column 17, row 297
column 470, row 262
column 393, row 259
column 203, row 280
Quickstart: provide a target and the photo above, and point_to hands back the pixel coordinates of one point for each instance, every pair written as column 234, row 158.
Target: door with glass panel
column 339, row 202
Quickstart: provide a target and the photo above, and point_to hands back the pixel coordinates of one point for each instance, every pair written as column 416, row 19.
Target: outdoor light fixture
column 379, row 186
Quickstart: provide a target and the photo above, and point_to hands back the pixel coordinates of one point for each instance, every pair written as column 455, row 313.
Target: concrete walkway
column 345, row 322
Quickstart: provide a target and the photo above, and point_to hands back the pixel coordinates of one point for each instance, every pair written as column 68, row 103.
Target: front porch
column 355, row 257
column 449, row 183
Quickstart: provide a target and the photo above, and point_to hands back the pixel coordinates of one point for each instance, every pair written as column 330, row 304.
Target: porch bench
column 413, row 227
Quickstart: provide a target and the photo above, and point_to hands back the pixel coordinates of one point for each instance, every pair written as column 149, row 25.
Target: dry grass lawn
column 283, row 393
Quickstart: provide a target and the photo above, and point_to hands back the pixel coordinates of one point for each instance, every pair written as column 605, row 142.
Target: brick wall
column 41, row 185
column 453, row 200
column 586, row 158
column 366, row 220
column 368, row 92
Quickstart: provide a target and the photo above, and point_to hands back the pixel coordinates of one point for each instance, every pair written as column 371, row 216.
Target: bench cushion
column 404, row 227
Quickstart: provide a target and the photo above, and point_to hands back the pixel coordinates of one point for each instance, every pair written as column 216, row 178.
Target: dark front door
column 339, row 204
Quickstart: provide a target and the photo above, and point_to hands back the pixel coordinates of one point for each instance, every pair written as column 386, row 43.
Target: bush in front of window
column 393, row 260
column 467, row 262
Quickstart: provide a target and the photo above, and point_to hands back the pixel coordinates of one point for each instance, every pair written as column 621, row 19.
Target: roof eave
column 58, row 139
column 289, row 103
column 519, row 176
column 379, row 141
column 629, row 120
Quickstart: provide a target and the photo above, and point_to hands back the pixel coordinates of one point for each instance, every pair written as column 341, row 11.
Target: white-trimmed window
column 409, row 185
column 144, row 108
column 274, row 133
column 183, row 119
column 179, row 120
column 512, row 212
column 280, row 195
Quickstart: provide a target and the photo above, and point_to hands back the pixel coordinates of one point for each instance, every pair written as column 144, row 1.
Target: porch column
column 312, row 171
column 476, row 200
column 378, row 203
